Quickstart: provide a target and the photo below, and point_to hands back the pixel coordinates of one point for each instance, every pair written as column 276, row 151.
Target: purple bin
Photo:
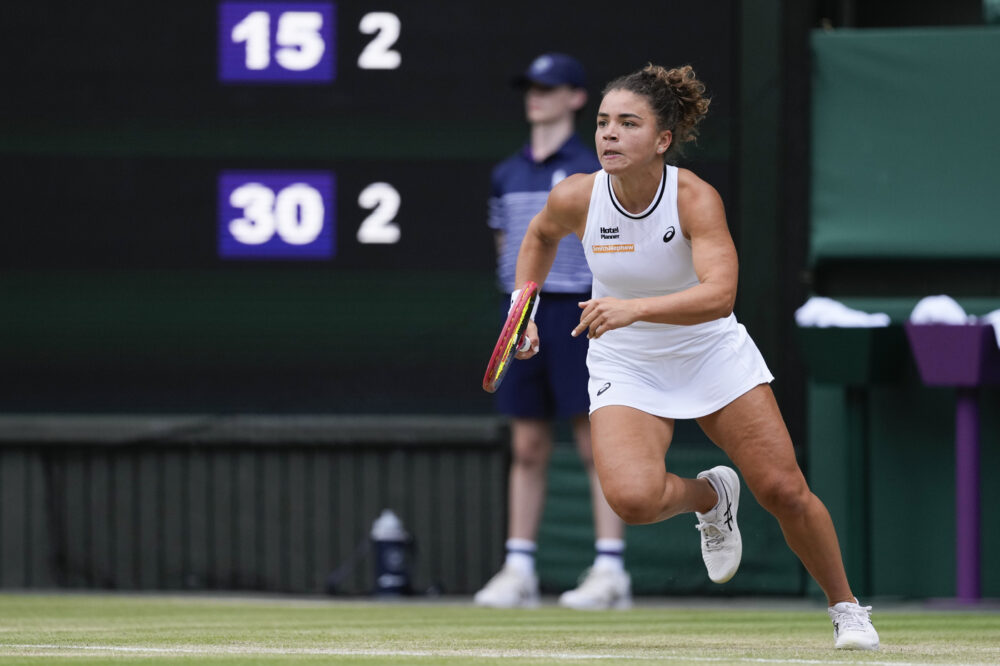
column 964, row 356
column 955, row 354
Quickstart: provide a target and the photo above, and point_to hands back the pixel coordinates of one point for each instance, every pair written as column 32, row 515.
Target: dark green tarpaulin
column 906, row 144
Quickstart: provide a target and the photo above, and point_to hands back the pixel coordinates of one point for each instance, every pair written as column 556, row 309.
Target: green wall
column 905, row 137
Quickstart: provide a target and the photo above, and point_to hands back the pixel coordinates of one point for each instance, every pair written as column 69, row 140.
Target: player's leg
column 753, row 434
column 629, row 447
column 629, row 450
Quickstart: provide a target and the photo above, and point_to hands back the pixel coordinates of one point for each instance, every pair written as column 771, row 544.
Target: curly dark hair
column 676, row 96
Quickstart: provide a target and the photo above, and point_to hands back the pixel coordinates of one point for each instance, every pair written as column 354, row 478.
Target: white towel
column 940, row 310
column 825, row 313
column 993, row 318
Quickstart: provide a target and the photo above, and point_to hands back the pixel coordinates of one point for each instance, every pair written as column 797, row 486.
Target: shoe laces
column 853, row 616
column 713, row 537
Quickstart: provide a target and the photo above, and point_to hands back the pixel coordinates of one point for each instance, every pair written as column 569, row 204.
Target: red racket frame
column 510, row 335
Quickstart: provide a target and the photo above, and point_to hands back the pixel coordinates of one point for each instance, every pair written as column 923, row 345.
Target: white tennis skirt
column 679, row 372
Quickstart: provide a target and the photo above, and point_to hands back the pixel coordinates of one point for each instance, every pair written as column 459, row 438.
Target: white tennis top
column 665, row 369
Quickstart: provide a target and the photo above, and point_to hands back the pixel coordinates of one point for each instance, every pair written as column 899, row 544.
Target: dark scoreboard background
column 280, row 206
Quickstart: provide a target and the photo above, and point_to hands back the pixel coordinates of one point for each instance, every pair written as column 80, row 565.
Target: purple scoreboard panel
column 276, row 215
column 277, row 42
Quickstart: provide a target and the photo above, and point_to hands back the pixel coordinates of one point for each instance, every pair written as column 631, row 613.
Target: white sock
column 712, row 513
column 610, row 554
column 521, row 556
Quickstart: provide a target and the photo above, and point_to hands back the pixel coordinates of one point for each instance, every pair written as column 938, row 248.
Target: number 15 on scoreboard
column 275, row 42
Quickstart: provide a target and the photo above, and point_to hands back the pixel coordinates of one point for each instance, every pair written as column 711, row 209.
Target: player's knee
column 782, row 496
column 635, row 503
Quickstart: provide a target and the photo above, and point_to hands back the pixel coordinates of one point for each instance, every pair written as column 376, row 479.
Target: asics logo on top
column 604, row 388
column 669, row 235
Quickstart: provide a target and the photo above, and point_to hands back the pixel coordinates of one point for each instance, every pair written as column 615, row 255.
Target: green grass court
column 141, row 629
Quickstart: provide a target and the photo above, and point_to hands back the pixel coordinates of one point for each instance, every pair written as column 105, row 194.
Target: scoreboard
column 281, row 206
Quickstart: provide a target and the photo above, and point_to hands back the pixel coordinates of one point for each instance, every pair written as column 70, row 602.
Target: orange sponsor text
column 605, row 249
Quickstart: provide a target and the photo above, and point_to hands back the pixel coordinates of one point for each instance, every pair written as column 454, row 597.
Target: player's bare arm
column 703, row 221
column 564, row 213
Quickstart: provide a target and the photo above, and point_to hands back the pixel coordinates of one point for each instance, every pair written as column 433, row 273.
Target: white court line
column 48, row 649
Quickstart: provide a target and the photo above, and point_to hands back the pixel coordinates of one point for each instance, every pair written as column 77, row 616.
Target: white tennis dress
column 674, row 371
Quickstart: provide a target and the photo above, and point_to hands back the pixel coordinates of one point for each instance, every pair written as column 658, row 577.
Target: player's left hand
column 531, row 335
column 602, row 315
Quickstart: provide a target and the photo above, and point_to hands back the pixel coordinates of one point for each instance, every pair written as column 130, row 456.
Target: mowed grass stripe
column 151, row 629
column 81, row 650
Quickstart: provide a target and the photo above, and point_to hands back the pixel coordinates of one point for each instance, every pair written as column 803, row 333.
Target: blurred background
column 248, row 289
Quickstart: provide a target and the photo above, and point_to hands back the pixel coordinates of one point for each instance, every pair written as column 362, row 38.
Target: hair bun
column 690, row 95
column 675, row 95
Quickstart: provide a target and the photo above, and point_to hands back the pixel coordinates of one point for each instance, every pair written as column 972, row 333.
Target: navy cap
column 553, row 69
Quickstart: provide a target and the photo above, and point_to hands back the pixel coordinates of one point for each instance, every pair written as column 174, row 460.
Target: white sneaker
column 509, row 589
column 852, row 627
column 600, row 589
column 721, row 545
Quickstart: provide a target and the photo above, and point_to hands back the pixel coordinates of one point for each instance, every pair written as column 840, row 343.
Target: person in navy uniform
column 535, row 394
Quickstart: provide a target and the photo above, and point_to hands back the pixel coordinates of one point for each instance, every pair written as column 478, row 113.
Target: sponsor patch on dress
column 606, row 249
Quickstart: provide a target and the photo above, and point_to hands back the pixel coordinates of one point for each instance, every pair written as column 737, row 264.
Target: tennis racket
column 510, row 337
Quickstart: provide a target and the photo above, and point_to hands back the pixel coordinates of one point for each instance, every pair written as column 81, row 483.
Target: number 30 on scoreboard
column 276, row 215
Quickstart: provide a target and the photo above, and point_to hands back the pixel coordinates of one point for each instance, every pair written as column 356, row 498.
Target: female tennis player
column 665, row 345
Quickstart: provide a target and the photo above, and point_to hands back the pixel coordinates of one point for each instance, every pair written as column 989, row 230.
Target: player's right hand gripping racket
column 510, row 336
